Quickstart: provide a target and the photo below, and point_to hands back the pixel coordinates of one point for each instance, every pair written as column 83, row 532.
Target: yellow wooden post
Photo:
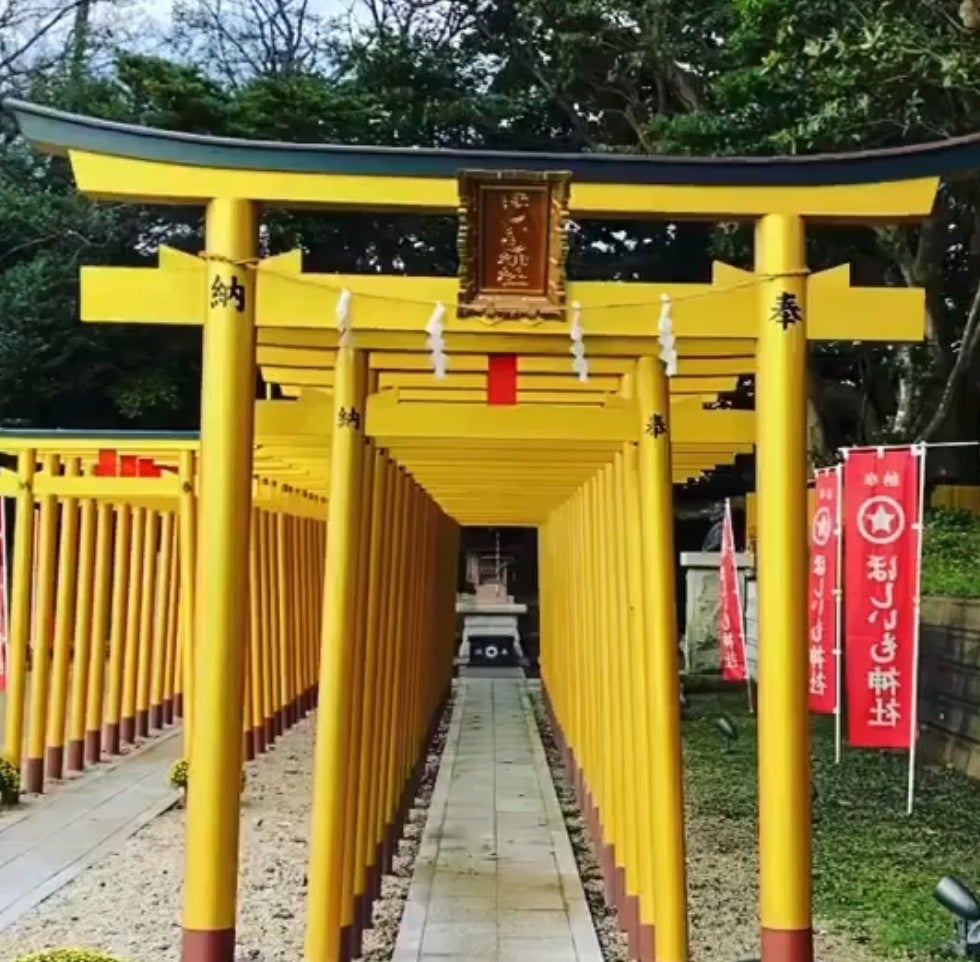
column 602, row 768
column 221, row 614
column 643, row 743
column 667, row 798
column 127, row 720
column 275, row 635
column 64, row 617
column 297, row 575
column 171, row 667
column 365, row 775
column 146, row 639
column 282, row 620
column 387, row 681
column 43, row 632
column 247, row 743
column 20, row 609
column 406, row 532
column 618, row 722
column 784, row 733
column 628, row 715
column 187, row 519
column 296, row 646
column 117, row 628
column 99, row 646
column 84, row 617
column 255, row 638
column 265, row 606
column 354, row 796
column 581, row 629
column 326, row 837
column 160, row 611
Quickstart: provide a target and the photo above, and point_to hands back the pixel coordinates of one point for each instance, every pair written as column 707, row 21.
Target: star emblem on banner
column 881, row 520
column 822, row 527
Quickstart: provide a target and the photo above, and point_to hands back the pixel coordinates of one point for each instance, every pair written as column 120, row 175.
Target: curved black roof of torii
column 59, row 131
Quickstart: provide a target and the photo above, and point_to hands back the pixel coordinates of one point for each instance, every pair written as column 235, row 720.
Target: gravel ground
column 129, row 903
column 612, row 941
column 722, row 880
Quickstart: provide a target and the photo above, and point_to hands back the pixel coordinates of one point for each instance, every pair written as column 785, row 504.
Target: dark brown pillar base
column 142, row 723
column 648, row 943
column 93, row 747
column 279, row 721
column 347, row 953
column 156, row 717
column 127, row 731
column 75, row 759
column 372, row 884
column 55, row 762
column 270, row 732
column 179, row 705
column 112, row 739
column 168, row 711
column 249, row 745
column 378, row 868
column 629, row 919
column 782, row 945
column 389, row 846
column 34, row 776
column 258, row 739
column 200, row 946
column 619, row 892
column 355, row 931
column 356, row 925
column 609, row 873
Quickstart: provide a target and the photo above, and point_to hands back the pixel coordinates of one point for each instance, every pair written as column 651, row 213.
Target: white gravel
column 129, row 904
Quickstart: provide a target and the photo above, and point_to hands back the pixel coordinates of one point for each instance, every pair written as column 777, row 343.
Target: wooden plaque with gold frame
column 513, row 244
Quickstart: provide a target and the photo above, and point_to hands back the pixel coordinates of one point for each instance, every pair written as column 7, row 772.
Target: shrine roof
column 58, row 132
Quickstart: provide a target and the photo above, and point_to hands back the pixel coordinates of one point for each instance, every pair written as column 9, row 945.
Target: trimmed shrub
column 179, row 773
column 9, row 783
column 68, row 955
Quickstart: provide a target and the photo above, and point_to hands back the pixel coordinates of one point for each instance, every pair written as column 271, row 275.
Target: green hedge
column 951, row 554
column 68, row 955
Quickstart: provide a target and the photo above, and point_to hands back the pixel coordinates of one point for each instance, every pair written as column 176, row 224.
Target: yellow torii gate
column 622, row 515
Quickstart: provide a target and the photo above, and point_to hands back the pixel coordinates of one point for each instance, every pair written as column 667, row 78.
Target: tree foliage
column 636, row 76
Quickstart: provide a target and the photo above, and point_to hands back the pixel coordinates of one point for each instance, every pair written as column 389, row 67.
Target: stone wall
column 700, row 628
column 949, row 683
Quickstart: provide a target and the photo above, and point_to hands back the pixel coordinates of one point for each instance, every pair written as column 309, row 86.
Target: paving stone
column 496, row 884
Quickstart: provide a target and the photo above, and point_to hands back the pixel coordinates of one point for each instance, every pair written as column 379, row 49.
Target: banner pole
column 919, row 451
column 736, row 587
column 838, row 614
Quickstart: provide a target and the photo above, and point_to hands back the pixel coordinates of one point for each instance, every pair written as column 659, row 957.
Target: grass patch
column 951, row 554
column 874, row 868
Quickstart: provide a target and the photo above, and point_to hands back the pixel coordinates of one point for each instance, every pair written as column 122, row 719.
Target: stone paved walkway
column 495, row 878
column 51, row 838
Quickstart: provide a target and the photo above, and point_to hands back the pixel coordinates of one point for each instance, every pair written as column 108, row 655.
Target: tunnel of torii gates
column 371, row 445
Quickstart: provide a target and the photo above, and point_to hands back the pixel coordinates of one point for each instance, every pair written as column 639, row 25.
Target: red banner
column 822, row 592
column 882, row 508
column 731, row 628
